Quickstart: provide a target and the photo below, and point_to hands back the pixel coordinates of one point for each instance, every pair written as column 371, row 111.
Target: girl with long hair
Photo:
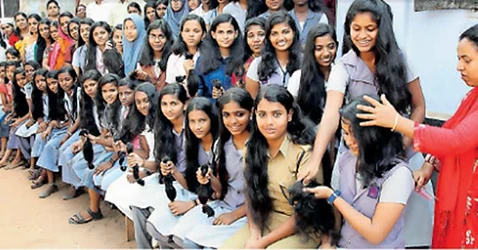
column 22, row 92
column 376, row 65
column 48, row 49
column 134, row 8
column 13, row 55
column 278, row 148
column 235, row 109
column 281, row 55
column 186, row 50
column 68, row 96
column 169, row 140
column 74, row 32
column 69, row 152
column 100, row 55
column 373, row 164
column 107, row 96
column 134, row 34
column 155, row 53
column 452, row 152
column 307, row 85
column 8, row 30
column 202, row 128
column 221, row 58
column 140, row 123
column 44, row 41
column 61, row 51
column 5, row 107
column 39, row 115
column 21, row 25
column 27, row 45
column 254, row 40
column 175, row 13
column 149, row 13
column 79, row 57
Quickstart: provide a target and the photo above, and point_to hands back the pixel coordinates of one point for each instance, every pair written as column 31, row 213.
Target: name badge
column 373, row 191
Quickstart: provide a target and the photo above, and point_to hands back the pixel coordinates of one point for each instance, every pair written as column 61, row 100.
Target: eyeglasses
column 153, row 37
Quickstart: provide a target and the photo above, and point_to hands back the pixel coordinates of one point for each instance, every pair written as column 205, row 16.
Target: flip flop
column 16, row 165
column 78, row 219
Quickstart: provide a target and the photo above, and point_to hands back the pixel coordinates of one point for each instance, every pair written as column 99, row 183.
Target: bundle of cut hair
column 130, row 148
column 312, row 216
column 88, row 152
column 168, row 181
column 205, row 192
column 121, row 155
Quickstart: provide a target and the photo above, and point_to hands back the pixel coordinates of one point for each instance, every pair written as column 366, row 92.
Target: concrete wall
column 429, row 39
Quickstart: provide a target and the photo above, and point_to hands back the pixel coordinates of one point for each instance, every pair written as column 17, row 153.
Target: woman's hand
column 320, row 192
column 15, row 124
column 188, row 66
column 119, row 146
column 168, row 168
column 42, row 126
column 46, row 134
column 77, row 146
column 102, row 168
column 141, row 75
column 255, row 242
column 422, row 175
column 225, row 219
column 93, row 139
column 135, row 159
column 217, row 93
column 203, row 180
column 380, row 114
column 180, row 207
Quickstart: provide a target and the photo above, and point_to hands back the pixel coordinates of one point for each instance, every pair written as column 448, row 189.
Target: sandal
column 38, row 182
column 77, row 219
column 15, row 165
column 72, row 195
column 50, row 190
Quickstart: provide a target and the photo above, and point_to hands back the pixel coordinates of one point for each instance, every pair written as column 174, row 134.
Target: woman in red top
column 455, row 147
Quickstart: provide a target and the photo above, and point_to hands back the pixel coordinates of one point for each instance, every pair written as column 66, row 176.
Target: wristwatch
column 333, row 196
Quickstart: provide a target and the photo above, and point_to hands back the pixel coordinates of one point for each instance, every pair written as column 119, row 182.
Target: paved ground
column 29, row 222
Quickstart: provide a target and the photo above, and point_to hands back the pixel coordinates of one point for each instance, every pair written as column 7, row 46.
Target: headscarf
column 174, row 18
column 132, row 50
column 61, row 47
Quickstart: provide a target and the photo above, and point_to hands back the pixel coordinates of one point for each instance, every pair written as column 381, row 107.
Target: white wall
column 429, row 39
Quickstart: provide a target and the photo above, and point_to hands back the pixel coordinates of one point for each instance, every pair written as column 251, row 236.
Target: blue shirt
column 206, row 85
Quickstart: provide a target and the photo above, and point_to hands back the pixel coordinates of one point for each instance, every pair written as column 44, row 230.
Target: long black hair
column 76, row 20
column 147, row 54
column 113, row 118
column 164, row 138
column 193, row 143
column 112, row 58
column 390, row 66
column 299, row 130
column 255, row 8
column 87, row 120
column 37, row 95
column 151, row 4
column 56, row 107
column 20, row 105
column 211, row 55
column 13, row 51
column 136, row 122
column 84, row 21
column 179, row 46
column 379, row 148
column 257, row 21
column 136, row 6
column 74, row 87
column 245, row 101
column 41, row 42
column 311, row 95
column 268, row 65
column 17, row 30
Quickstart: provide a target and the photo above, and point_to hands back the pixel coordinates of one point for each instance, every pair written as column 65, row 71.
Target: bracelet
column 333, row 196
column 112, row 161
column 396, row 123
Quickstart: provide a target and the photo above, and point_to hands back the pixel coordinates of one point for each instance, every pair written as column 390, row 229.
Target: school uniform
column 156, row 76
column 50, row 154
column 196, row 227
column 175, row 67
column 162, row 222
column 352, row 77
column 312, row 19
column 38, row 143
column 282, row 171
column 279, row 77
column 395, row 186
column 15, row 141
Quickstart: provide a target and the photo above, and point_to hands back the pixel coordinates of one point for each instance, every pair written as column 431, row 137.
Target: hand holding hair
column 205, row 191
column 140, row 181
column 88, row 152
column 168, row 181
column 379, row 114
